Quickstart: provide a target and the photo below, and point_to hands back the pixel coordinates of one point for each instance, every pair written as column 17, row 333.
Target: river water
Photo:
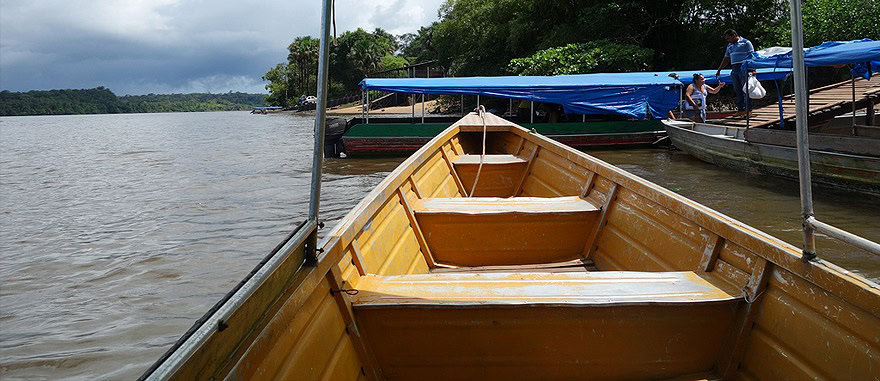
column 118, row 231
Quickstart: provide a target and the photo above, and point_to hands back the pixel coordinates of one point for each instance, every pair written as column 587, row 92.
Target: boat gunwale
column 677, row 123
column 849, row 286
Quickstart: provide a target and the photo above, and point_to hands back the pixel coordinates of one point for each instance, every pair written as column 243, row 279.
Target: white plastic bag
column 753, row 88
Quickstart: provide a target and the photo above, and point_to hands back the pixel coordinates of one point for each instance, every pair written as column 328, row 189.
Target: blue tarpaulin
column 829, row 53
column 636, row 95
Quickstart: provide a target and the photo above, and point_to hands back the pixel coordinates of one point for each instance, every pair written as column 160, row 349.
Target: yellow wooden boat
column 497, row 253
column 560, row 266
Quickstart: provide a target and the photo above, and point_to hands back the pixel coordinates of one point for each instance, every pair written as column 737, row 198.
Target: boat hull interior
column 559, row 266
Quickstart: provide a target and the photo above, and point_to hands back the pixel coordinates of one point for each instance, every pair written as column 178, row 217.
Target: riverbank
column 356, row 110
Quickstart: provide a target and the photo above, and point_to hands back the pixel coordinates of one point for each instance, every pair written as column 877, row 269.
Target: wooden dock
column 824, row 104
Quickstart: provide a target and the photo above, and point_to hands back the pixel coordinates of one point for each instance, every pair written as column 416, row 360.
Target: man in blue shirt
column 738, row 50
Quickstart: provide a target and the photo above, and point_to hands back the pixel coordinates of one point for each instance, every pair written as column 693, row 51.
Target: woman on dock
column 695, row 98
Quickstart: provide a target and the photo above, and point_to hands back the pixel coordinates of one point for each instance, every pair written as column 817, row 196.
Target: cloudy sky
column 163, row 46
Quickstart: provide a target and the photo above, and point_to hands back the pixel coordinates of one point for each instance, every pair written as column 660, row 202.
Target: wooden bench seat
column 489, row 231
column 556, row 325
column 577, row 265
column 499, row 177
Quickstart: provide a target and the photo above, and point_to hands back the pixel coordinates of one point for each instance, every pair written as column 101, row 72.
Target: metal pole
column 748, row 102
column 583, row 118
column 462, row 105
column 853, row 104
column 478, row 100
column 843, row 235
column 368, row 106
column 412, row 99
column 803, row 142
column 779, row 99
column 532, row 112
column 423, row 108
column 320, row 113
column 510, row 107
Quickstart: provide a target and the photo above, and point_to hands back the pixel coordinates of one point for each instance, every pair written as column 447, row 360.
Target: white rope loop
column 481, row 111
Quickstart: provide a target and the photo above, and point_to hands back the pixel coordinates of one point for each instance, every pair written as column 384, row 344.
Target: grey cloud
column 138, row 47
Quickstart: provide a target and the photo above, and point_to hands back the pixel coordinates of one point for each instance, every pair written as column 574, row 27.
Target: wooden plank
column 339, row 292
column 711, row 253
column 591, row 242
column 455, row 177
column 753, row 291
column 414, row 224
column 414, row 187
column 757, row 281
column 519, row 146
column 588, row 185
column 818, row 141
column 522, row 180
column 357, row 259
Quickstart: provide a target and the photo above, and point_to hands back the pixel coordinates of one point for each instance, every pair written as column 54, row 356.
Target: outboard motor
column 333, row 137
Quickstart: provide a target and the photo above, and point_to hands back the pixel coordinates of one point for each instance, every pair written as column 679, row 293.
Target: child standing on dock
column 695, row 98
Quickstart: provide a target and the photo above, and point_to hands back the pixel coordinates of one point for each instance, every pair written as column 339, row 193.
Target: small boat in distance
column 266, row 110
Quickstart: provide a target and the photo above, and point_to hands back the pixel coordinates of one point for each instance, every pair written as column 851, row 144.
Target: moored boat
column 555, row 268
column 405, row 138
column 846, row 163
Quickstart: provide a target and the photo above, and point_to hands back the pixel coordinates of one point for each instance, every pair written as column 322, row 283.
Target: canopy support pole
column 478, row 100
column 368, row 107
column 423, row 108
column 583, row 118
column 462, row 105
column 320, row 121
column 853, row 103
column 510, row 107
column 779, row 99
column 748, row 103
column 532, row 112
column 412, row 99
column 869, row 112
column 803, row 142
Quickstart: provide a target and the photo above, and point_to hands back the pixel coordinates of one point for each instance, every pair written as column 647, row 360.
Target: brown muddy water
column 118, row 231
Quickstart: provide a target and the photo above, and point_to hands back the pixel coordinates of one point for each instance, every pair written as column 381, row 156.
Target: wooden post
column 854, row 105
column 603, row 217
column 414, row 224
column 869, row 112
column 532, row 112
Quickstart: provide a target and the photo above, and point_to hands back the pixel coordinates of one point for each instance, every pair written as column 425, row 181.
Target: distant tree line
column 548, row 37
column 101, row 100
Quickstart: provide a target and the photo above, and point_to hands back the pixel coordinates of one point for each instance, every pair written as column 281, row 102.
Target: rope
column 481, row 110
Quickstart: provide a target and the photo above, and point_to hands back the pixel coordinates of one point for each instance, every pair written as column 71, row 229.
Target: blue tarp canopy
column 636, row 95
column 829, row 53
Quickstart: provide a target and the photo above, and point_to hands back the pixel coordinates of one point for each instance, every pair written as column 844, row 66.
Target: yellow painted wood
column 605, row 288
column 525, row 231
column 545, row 342
column 812, row 321
column 498, row 177
column 424, row 250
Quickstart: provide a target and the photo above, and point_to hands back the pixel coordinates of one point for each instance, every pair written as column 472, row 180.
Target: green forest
column 101, row 100
column 549, row 37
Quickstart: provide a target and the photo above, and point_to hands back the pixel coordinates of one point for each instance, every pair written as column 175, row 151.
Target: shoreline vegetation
column 553, row 37
column 101, row 100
